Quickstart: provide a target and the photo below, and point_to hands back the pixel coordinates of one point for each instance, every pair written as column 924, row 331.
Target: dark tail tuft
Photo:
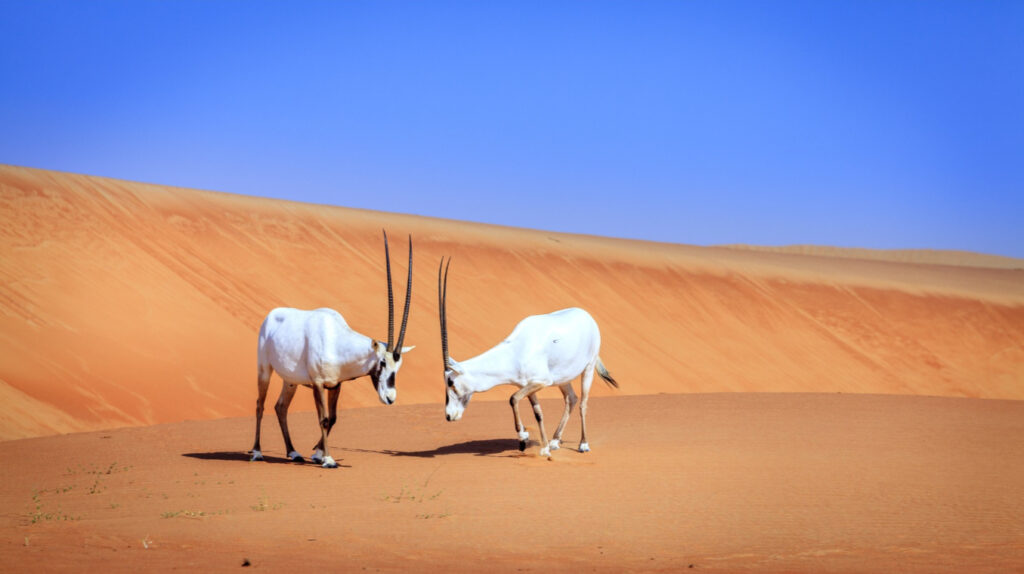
column 601, row 370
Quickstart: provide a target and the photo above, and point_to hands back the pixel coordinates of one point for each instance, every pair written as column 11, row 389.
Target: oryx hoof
column 317, row 457
column 256, row 455
column 546, row 452
column 296, row 457
column 523, row 437
column 555, row 444
column 329, row 463
column 584, row 447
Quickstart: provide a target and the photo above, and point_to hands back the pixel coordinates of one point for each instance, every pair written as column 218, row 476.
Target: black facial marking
column 391, row 380
column 375, row 374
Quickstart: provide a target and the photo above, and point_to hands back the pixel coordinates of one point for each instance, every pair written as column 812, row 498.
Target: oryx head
column 457, row 391
column 389, row 357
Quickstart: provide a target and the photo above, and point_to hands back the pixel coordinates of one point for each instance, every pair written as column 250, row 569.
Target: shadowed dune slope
column 133, row 304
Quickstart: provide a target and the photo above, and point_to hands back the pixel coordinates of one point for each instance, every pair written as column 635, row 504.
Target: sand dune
column 132, row 304
column 723, row 482
column 771, row 414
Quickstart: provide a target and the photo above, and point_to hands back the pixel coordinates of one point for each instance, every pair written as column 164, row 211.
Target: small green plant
column 93, row 469
column 39, row 516
column 264, row 504
column 419, row 495
column 428, row 516
column 412, row 495
column 185, row 513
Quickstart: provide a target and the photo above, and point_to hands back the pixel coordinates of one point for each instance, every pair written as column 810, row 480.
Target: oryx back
column 556, row 347
column 306, row 346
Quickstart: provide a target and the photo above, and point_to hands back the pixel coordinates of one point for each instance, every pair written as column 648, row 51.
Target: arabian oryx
column 318, row 349
column 542, row 351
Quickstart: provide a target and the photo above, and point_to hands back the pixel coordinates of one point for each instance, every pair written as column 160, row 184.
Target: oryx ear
column 455, row 367
column 407, row 349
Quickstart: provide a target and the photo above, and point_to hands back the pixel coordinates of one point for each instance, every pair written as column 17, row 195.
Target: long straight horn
column 391, row 296
column 442, row 299
column 405, row 314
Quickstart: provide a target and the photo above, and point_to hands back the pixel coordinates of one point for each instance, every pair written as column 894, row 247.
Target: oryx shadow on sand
column 486, row 447
column 240, row 456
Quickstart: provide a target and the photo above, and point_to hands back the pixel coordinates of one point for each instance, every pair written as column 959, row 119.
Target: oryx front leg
column 325, row 424
column 545, row 449
column 570, row 402
column 514, row 401
column 332, row 417
column 283, row 401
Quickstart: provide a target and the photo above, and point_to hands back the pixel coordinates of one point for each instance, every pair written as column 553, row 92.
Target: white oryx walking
column 542, row 351
column 318, row 349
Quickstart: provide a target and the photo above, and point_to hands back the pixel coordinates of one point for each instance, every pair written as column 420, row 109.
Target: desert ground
column 800, row 409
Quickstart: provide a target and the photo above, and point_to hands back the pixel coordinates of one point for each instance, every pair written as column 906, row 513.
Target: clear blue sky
column 870, row 124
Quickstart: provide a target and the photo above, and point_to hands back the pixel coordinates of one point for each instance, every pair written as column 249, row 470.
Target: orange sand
column 133, row 305
column 727, row 482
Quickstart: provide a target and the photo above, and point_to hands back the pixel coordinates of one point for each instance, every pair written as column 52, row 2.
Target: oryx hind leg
column 570, row 402
column 283, row 402
column 262, row 384
column 588, row 379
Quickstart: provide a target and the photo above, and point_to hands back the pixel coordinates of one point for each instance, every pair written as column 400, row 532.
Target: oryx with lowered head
column 542, row 351
column 318, row 349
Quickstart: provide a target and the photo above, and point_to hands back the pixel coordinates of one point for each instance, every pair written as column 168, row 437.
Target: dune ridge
column 924, row 256
column 125, row 304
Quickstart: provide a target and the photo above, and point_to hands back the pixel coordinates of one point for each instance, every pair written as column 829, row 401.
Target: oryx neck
column 494, row 367
column 364, row 358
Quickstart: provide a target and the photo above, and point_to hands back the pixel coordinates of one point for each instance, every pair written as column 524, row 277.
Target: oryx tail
column 601, row 370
